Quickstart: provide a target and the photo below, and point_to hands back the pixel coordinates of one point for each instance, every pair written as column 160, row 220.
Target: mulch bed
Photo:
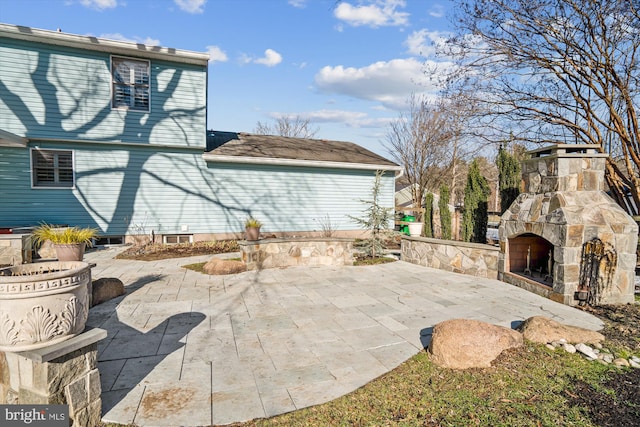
column 621, row 408
column 156, row 251
column 622, row 324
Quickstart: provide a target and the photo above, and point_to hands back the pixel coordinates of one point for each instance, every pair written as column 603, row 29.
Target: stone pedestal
column 15, row 249
column 64, row 373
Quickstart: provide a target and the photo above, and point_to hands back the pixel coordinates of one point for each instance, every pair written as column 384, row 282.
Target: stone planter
column 42, row 303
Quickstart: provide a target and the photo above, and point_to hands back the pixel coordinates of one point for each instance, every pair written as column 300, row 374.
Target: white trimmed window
column 130, row 83
column 173, row 239
column 52, row 168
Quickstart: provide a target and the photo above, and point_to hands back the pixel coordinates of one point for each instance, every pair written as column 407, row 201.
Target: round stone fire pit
column 42, row 303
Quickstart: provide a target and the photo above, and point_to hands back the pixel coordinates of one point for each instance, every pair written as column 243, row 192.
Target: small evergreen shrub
column 445, row 213
column 427, row 230
column 508, row 178
column 475, row 216
column 376, row 219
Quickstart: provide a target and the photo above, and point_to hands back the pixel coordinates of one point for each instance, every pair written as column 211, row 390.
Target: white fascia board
column 296, row 162
column 103, row 45
column 8, row 139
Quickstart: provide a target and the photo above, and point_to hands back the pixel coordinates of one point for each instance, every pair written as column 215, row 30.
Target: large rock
column 543, row 330
column 105, row 289
column 462, row 343
column 224, row 266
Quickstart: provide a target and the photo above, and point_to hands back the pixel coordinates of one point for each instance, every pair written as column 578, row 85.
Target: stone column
column 64, row 373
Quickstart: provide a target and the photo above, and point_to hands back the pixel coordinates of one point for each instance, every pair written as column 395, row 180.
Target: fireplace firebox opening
column 531, row 256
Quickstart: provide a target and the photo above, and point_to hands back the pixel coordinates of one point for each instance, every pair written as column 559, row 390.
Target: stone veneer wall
column 15, row 249
column 272, row 253
column 62, row 374
column 459, row 257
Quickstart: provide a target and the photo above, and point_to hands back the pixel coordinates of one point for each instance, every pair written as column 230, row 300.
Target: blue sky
column 347, row 66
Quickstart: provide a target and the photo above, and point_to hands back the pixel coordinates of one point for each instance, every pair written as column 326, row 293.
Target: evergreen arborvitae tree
column 428, row 215
column 508, row 178
column 445, row 213
column 475, row 216
column 376, row 219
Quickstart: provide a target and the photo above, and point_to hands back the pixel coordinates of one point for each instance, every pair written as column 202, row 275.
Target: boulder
column 224, row 266
column 463, row 343
column 543, row 330
column 105, row 289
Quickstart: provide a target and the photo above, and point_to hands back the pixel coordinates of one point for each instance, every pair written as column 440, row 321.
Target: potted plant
column 415, row 227
column 68, row 242
column 252, row 228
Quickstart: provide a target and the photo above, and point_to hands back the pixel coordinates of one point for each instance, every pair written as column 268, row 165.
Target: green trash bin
column 405, row 228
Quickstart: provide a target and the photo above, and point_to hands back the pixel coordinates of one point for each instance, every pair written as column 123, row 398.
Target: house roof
column 232, row 147
column 8, row 139
column 103, row 45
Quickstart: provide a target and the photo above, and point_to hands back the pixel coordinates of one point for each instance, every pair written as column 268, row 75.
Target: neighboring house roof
column 232, row 147
column 8, row 139
column 103, row 45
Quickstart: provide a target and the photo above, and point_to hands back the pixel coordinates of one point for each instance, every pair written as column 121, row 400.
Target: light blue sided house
column 113, row 135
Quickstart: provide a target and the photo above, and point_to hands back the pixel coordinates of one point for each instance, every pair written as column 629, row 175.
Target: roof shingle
column 234, row 144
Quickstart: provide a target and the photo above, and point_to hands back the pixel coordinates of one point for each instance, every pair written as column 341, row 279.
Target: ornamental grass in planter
column 252, row 228
column 68, row 242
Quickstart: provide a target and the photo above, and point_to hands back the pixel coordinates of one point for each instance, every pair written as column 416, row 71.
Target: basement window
column 174, row 239
column 109, row 240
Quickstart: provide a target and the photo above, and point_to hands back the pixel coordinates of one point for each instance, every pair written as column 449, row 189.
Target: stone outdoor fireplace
column 564, row 237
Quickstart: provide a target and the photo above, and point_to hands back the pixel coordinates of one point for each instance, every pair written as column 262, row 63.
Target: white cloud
column 437, row 11
column 425, row 42
column 300, row 4
column 99, row 4
column 191, row 6
column 375, row 14
column 270, row 59
column 216, row 54
column 117, row 36
column 389, row 83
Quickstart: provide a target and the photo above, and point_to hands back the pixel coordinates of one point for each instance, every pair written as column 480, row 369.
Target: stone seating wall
column 274, row 253
column 459, row 257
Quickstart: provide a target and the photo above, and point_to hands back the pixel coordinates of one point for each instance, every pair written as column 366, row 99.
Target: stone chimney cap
column 568, row 150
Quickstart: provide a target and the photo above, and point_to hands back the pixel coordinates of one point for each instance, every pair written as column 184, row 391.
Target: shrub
column 445, row 213
column 428, row 215
column 376, row 220
column 475, row 216
column 508, row 178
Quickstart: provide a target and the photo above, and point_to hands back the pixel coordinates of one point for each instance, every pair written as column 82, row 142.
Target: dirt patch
column 158, row 405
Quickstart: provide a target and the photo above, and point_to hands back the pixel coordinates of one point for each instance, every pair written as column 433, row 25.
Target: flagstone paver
column 189, row 349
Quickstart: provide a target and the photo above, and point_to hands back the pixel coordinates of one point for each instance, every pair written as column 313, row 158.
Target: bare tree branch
column 291, row 126
column 555, row 71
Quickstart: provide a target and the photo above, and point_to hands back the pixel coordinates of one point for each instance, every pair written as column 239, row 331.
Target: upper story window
column 130, row 83
column 52, row 168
